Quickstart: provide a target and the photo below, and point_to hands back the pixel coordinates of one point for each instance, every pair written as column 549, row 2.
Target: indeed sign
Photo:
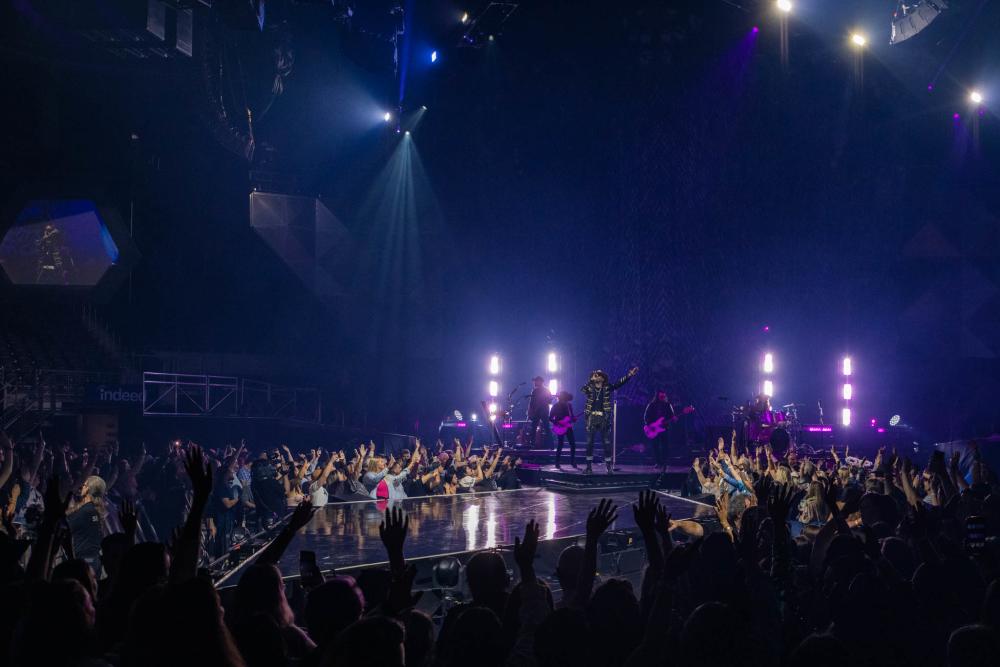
column 103, row 393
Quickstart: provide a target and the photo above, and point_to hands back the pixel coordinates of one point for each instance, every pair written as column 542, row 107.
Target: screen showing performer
column 58, row 243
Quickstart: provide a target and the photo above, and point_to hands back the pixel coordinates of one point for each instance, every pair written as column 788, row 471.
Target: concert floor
column 345, row 535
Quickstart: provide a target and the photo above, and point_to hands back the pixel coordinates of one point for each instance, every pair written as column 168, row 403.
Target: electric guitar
column 658, row 426
column 565, row 424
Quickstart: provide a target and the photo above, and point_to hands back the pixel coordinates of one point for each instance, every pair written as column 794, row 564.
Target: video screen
column 58, row 243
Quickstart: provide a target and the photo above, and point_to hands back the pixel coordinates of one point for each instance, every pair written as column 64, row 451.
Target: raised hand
column 129, row 517
column 302, row 515
column 393, row 531
column 644, row 512
column 780, row 503
column 55, row 504
column 662, row 524
column 600, row 518
column 722, row 509
column 199, row 471
column 524, row 551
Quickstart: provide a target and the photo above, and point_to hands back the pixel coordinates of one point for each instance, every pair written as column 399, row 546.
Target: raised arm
column 625, row 378
column 598, row 521
column 7, row 451
column 184, row 565
column 300, row 517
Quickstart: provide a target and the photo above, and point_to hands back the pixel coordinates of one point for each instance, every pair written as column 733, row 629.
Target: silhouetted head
column 820, row 651
column 78, row 570
column 371, row 642
column 419, row 638
column 558, row 640
column 568, row 567
column 332, row 606
column 972, row 646
column 260, row 642
column 475, row 637
column 261, row 591
column 486, row 574
column 614, row 611
column 703, row 643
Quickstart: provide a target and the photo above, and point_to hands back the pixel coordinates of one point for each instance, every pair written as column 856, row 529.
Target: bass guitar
column 561, row 426
column 658, row 426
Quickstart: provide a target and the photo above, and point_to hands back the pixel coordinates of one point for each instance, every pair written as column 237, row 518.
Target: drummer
column 761, row 404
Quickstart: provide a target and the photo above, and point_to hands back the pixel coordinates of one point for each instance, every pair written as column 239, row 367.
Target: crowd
column 249, row 492
column 886, row 567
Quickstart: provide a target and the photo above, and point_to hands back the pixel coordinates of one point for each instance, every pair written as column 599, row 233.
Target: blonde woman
column 88, row 521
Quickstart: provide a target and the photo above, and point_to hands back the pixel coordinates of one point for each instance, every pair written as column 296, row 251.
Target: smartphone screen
column 309, row 572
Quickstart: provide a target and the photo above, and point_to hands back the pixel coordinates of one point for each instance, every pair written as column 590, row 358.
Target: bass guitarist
column 657, row 418
column 562, row 419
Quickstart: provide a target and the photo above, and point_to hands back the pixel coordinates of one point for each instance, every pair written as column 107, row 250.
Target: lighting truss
column 913, row 16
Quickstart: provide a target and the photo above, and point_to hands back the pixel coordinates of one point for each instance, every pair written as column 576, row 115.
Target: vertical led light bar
column 767, row 370
column 847, row 391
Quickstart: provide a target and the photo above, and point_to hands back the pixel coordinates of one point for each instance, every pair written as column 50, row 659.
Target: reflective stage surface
column 346, row 534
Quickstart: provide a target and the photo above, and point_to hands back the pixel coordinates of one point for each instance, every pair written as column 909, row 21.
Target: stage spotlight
column 554, row 386
column 848, row 391
column 387, row 116
column 494, row 388
column 473, row 417
column 495, row 364
column 845, row 417
column 768, row 388
column 465, row 17
column 894, row 420
column 859, row 39
column 847, row 367
column 434, row 56
column 552, row 364
column 768, row 363
column 976, row 97
column 784, row 5
column 912, row 17
column 407, row 133
column 492, row 408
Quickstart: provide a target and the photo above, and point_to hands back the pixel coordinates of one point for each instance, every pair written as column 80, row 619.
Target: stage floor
column 345, row 535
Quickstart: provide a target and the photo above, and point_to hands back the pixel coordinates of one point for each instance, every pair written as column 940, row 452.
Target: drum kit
column 759, row 424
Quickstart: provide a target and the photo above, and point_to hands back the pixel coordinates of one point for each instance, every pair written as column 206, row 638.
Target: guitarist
column 598, row 391
column 562, row 417
column 538, row 412
column 658, row 417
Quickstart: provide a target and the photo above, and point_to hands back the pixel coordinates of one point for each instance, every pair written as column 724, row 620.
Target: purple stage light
column 508, row 426
column 820, row 429
column 930, row 86
column 755, row 30
column 459, row 424
column 880, row 430
column 956, row 115
column 766, row 328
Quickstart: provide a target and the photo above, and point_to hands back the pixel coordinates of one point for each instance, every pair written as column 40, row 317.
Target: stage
column 344, row 536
